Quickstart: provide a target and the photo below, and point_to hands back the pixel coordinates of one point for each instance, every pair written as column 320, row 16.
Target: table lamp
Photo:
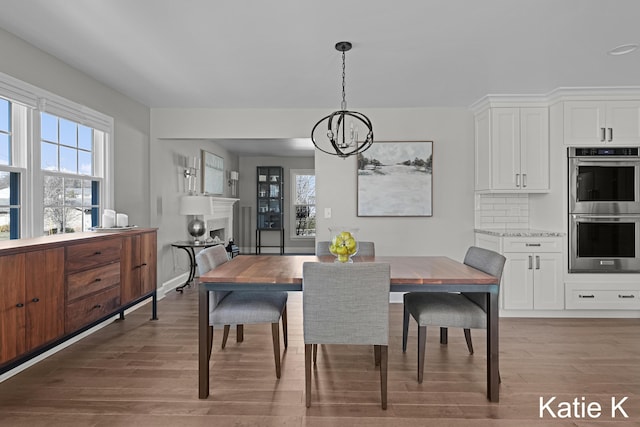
column 196, row 205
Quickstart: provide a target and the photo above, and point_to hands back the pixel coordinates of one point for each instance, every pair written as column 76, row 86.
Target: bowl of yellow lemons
column 343, row 243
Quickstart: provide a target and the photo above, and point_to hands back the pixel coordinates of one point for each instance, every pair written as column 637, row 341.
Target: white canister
column 108, row 221
column 122, row 220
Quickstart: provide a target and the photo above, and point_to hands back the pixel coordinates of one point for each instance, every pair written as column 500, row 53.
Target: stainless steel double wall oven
column 604, row 209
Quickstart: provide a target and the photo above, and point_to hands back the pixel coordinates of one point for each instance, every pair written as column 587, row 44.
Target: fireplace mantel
column 222, row 217
column 223, row 203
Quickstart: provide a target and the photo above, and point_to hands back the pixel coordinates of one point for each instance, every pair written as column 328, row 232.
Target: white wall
column 168, row 160
column 448, row 232
column 131, row 119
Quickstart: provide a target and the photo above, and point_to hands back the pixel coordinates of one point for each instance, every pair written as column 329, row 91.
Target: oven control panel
column 604, row 151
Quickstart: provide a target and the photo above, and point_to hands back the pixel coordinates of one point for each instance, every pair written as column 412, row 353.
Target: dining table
column 408, row 274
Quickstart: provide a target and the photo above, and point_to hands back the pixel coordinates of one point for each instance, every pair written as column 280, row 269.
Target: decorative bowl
column 343, row 243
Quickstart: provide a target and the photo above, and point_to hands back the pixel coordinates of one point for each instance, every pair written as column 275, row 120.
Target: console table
column 190, row 249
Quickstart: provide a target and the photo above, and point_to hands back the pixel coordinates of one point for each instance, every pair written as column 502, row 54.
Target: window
column 9, row 205
column 56, row 162
column 71, row 197
column 5, row 132
column 9, row 180
column 303, row 203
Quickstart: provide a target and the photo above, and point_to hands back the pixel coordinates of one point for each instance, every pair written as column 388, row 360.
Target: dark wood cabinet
column 55, row 287
column 44, row 283
column 270, row 205
column 31, row 300
column 138, row 266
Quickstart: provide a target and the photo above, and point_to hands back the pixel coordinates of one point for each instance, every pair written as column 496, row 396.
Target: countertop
column 518, row 232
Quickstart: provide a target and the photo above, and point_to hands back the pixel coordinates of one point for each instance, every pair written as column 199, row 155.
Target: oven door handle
column 606, row 216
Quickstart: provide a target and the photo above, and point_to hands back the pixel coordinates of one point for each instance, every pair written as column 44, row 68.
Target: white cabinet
column 601, row 122
column 533, row 273
column 533, row 281
column 512, row 149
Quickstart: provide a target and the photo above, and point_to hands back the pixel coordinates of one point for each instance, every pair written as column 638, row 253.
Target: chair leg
column 210, row 340
column 444, row 335
column 405, row 328
column 422, row 343
column 384, row 362
column 285, row 330
column 467, row 337
column 307, row 373
column 225, row 335
column 275, row 333
column 315, row 353
column 239, row 333
column 376, row 354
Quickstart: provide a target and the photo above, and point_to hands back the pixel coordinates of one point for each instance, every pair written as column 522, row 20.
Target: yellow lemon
column 345, row 235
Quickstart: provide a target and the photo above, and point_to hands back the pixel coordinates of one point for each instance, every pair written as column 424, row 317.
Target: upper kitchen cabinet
column 601, row 122
column 512, row 149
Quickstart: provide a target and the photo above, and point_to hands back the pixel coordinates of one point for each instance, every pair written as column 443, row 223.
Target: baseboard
column 172, row 284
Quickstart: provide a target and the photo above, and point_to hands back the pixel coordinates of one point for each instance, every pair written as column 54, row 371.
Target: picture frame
column 212, row 174
column 395, row 179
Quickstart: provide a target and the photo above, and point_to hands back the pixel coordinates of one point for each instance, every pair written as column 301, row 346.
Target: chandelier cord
column 343, row 105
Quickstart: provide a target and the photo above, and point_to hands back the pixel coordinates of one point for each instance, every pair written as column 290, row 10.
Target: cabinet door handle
column 530, row 262
column 524, row 180
column 604, row 134
column 626, row 296
column 517, row 180
column 35, row 299
column 586, row 296
column 19, row 305
column 144, row 264
column 537, row 262
column 610, row 134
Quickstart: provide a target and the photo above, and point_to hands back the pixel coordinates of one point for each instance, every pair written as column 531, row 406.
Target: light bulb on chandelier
column 342, row 138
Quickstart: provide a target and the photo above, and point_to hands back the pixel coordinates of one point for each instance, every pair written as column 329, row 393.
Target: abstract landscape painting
column 395, row 179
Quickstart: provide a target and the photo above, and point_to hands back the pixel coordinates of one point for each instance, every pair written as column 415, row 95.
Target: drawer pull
column 97, row 253
column 35, row 300
column 19, row 305
column 97, row 306
column 144, row 264
column 626, row 296
column 533, row 244
column 586, row 296
column 98, row 279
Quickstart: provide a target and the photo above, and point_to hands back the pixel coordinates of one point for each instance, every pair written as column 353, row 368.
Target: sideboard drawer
column 87, row 310
column 93, row 280
column 88, row 255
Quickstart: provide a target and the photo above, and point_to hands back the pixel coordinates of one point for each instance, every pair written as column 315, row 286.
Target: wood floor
column 139, row 372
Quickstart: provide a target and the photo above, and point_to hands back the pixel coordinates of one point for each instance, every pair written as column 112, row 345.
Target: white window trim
column 27, row 158
column 292, row 212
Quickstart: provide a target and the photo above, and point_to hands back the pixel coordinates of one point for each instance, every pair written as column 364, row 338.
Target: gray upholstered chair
column 462, row 310
column 241, row 308
column 346, row 304
column 364, row 248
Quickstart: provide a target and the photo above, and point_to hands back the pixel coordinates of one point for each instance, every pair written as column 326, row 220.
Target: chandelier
column 348, row 132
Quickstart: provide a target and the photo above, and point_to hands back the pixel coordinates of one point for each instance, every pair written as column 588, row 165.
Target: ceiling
column 280, row 53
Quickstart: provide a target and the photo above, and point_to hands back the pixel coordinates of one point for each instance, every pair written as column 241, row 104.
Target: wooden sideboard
column 55, row 287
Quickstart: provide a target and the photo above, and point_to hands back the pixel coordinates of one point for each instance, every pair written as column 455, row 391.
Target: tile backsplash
column 495, row 210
